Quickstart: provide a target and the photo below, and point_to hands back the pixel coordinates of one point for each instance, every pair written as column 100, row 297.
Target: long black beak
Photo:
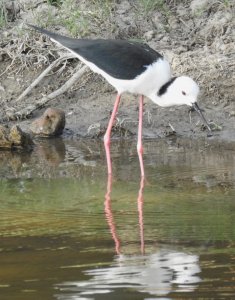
column 197, row 108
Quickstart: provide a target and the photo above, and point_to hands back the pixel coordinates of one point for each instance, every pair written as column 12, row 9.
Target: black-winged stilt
column 135, row 68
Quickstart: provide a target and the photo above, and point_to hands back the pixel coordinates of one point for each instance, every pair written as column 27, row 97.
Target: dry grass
column 23, row 51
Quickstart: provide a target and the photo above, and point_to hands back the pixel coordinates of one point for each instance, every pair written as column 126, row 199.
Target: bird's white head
column 178, row 91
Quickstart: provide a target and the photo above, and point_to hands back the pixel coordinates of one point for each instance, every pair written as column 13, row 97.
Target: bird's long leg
column 108, row 134
column 139, row 143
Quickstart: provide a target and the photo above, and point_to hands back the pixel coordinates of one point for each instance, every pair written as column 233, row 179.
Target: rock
column 169, row 131
column 19, row 138
column 123, row 7
column 94, row 130
column 198, row 5
column 51, row 123
column 173, row 23
column 4, row 137
column 182, row 11
column 232, row 113
column 14, row 138
column 149, row 35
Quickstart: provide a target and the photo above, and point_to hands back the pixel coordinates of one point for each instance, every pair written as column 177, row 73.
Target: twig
column 27, row 112
column 79, row 72
column 42, row 75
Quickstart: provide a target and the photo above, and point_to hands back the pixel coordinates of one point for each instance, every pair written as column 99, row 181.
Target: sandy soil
column 197, row 37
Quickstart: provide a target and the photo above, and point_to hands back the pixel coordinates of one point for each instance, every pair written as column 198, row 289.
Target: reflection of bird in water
column 110, row 218
column 157, row 274
column 136, row 68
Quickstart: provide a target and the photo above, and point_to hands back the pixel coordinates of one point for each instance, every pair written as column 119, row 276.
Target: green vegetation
column 79, row 20
column 149, row 6
column 84, row 19
column 55, row 2
column 75, row 20
column 3, row 14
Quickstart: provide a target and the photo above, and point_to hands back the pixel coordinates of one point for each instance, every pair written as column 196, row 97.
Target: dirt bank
column 197, row 37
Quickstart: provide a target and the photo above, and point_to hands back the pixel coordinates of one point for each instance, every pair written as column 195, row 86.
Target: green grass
column 75, row 20
column 78, row 20
column 151, row 5
column 3, row 14
column 55, row 2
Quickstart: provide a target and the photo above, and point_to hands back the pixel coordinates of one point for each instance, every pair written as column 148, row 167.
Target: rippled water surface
column 67, row 231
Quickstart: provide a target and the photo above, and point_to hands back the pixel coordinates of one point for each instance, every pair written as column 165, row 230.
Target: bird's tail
column 63, row 40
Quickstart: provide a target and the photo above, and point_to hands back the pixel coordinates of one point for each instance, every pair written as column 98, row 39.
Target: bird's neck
column 162, row 96
column 163, row 89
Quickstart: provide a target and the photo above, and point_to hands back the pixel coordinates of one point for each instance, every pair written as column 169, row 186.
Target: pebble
column 51, row 123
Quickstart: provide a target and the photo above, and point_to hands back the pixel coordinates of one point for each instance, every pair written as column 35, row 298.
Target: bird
column 134, row 67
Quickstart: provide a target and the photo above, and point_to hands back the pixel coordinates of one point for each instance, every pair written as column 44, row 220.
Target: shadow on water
column 69, row 231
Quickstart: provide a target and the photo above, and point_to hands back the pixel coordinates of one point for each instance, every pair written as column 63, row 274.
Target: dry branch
column 42, row 75
column 27, row 112
column 79, row 72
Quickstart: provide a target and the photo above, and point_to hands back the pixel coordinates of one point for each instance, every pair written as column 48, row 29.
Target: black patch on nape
column 165, row 86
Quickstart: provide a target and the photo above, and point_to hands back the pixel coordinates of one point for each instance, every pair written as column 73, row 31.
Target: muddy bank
column 197, row 37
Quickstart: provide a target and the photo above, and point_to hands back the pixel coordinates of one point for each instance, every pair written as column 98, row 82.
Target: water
column 67, row 231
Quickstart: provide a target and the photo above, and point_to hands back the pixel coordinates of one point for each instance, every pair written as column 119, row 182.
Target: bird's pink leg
column 108, row 134
column 139, row 143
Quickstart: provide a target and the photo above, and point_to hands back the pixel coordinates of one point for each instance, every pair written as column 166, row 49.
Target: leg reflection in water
column 110, row 219
column 140, row 203
column 109, row 214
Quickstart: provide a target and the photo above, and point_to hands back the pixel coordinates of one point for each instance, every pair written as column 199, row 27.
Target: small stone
column 94, row 130
column 166, row 39
column 180, row 50
column 198, row 5
column 232, row 113
column 4, row 137
column 51, row 123
column 173, row 23
column 149, row 35
column 124, row 7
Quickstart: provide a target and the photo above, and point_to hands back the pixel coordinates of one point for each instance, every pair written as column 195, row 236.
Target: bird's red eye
column 183, row 93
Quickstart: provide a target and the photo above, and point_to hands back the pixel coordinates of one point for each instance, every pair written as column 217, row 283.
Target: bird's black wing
column 120, row 59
